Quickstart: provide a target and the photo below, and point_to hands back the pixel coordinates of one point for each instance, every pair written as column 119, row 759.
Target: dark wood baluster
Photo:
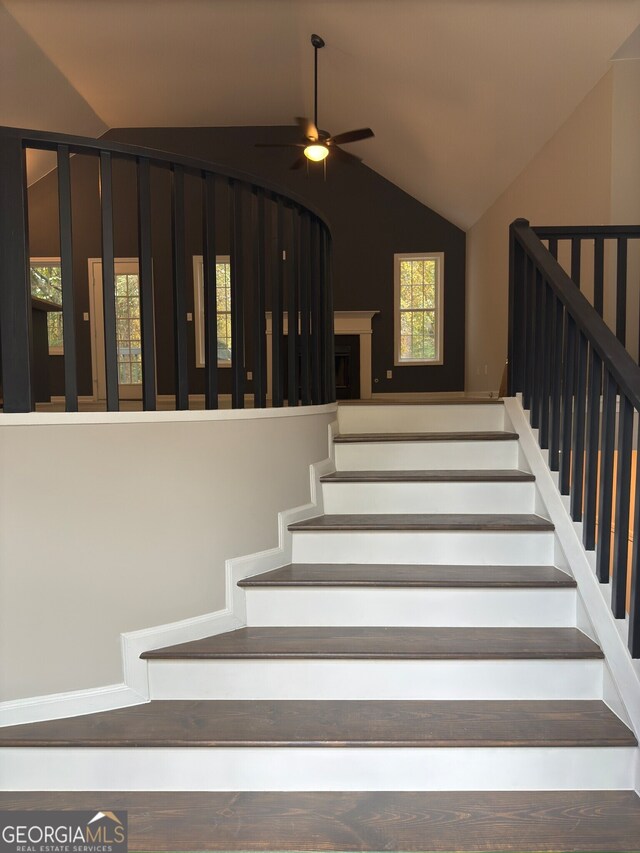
column 15, row 280
column 515, row 313
column 579, row 429
column 593, row 437
column 553, row 247
column 576, row 245
column 260, row 290
column 210, row 290
column 277, row 278
column 316, row 335
column 621, row 516
column 634, row 604
column 538, row 358
column 293, row 278
column 327, row 318
column 547, row 314
column 238, row 274
column 179, row 292
column 557, row 328
column 145, row 273
column 108, row 284
column 621, row 290
column 598, row 275
column 605, row 486
column 66, row 272
column 331, row 357
column 568, row 369
column 529, row 326
column 305, row 274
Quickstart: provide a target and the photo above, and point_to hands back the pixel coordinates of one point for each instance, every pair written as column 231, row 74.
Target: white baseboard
column 74, row 703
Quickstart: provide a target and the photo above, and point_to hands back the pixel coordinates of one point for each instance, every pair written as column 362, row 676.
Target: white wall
column 567, row 183
column 113, row 527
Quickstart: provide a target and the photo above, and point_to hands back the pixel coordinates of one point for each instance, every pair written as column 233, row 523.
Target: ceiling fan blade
column 279, row 145
column 299, row 162
column 308, row 128
column 344, row 156
column 353, row 135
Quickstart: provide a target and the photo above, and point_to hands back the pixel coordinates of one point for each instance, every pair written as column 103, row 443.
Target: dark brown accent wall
column 370, row 218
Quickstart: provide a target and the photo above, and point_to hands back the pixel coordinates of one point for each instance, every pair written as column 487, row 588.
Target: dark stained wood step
column 441, row 401
column 374, row 575
column 369, row 437
column 330, row 723
column 452, row 476
column 319, row 643
column 440, row 521
column 464, row 821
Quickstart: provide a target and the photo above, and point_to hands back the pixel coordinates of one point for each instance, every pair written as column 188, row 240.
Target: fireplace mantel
column 344, row 323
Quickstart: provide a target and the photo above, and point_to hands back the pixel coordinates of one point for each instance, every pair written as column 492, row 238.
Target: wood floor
column 369, row 437
column 524, row 821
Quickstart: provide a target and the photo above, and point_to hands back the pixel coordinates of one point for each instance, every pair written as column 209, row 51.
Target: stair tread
column 376, row 575
column 467, row 435
column 331, row 723
column 508, row 475
column 439, row 821
column 425, row 521
column 457, row 643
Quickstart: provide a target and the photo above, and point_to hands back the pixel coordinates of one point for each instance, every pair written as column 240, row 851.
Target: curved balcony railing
column 279, row 259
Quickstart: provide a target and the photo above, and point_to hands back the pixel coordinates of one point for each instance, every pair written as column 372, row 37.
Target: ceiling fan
column 317, row 144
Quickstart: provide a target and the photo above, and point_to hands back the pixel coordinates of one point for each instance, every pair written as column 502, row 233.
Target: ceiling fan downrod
column 318, row 43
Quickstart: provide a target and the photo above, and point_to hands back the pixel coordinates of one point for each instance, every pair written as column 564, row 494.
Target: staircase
column 420, row 655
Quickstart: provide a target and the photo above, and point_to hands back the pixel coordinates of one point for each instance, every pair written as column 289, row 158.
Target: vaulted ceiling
column 460, row 93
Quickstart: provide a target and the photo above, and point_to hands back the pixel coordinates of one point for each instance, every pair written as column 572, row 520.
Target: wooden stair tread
column 376, row 575
column 425, row 522
column 464, row 821
column 330, row 723
column 369, row 437
column 386, row 643
column 508, row 475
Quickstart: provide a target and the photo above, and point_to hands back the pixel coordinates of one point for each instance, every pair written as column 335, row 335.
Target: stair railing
column 280, row 257
column 575, row 376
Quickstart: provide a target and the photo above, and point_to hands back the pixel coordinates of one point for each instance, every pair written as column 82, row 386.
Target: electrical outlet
column 389, row 374
column 85, row 316
column 249, row 376
column 189, row 317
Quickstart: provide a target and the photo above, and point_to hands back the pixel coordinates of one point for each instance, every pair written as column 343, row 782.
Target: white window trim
column 439, row 307
column 47, row 262
column 198, row 301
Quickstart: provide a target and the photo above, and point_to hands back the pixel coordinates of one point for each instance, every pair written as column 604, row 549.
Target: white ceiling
column 460, row 93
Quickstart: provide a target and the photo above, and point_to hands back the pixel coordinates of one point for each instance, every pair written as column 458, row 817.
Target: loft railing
column 575, row 376
column 279, row 256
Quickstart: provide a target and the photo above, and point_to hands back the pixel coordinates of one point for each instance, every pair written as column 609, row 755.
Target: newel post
column 15, row 285
column 516, row 326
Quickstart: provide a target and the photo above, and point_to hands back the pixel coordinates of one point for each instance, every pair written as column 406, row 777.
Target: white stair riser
column 441, row 548
column 522, row 608
column 428, row 497
column 317, row 769
column 425, row 455
column 376, row 679
column 420, row 418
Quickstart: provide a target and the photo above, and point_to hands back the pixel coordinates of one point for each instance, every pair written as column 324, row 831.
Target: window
column 46, row 284
column 223, row 303
column 128, row 331
column 418, row 308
